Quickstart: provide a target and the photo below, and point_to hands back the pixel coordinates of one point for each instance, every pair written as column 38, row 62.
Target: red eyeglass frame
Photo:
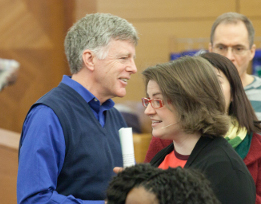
column 151, row 100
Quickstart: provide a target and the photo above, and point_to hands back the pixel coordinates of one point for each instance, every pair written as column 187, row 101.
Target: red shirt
column 173, row 160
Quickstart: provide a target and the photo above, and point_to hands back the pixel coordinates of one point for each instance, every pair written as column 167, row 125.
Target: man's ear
column 88, row 59
column 210, row 47
column 252, row 51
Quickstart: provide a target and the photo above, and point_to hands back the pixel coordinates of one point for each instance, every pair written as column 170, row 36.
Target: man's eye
column 221, row 47
column 239, row 48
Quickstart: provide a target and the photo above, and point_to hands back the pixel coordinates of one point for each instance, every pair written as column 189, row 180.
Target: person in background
column 130, row 116
column 244, row 126
column 186, row 104
column 70, row 141
column 8, row 72
column 232, row 35
column 144, row 184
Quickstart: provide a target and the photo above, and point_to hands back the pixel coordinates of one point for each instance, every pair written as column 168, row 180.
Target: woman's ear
column 88, row 59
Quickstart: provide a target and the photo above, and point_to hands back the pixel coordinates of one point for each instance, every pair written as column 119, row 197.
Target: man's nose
column 132, row 67
column 229, row 54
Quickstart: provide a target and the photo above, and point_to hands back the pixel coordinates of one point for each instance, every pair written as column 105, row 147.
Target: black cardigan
column 229, row 176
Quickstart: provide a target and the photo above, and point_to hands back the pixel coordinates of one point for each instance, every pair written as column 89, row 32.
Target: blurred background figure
column 232, row 35
column 144, row 184
column 130, row 116
column 8, row 72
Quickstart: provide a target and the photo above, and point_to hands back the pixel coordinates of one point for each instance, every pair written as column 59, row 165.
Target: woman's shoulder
column 218, row 158
column 218, row 145
column 215, row 151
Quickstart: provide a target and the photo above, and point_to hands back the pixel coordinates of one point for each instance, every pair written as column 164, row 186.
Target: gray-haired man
column 70, row 143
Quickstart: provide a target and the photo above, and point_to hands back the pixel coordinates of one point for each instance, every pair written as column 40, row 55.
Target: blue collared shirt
column 43, row 151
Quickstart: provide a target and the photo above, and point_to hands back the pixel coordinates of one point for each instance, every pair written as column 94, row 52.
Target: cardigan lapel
column 200, row 145
column 159, row 157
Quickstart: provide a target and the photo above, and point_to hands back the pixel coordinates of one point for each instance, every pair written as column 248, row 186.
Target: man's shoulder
column 257, row 79
column 256, row 84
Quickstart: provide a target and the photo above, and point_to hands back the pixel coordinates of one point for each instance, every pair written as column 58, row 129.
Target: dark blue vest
column 92, row 151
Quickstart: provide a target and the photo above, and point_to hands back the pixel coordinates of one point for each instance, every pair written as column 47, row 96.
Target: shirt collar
column 87, row 95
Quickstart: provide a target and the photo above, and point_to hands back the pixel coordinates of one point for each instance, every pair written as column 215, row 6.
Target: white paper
column 127, row 147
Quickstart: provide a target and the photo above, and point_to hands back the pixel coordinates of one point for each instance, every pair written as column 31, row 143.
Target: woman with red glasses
column 244, row 125
column 186, row 105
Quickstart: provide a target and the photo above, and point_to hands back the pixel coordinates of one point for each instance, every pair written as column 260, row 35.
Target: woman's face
column 164, row 121
column 225, row 85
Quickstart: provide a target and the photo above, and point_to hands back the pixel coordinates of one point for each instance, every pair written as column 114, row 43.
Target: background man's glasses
column 155, row 103
column 236, row 50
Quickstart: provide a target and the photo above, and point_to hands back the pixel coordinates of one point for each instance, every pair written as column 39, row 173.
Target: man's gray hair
column 94, row 32
column 233, row 18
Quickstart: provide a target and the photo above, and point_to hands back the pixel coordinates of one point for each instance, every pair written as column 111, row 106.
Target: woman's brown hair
column 190, row 84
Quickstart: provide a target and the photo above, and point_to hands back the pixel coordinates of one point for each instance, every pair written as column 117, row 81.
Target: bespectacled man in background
column 232, row 35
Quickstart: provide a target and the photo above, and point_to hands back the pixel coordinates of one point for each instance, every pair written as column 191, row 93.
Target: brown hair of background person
column 240, row 107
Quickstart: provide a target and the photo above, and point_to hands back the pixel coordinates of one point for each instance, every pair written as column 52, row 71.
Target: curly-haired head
column 174, row 185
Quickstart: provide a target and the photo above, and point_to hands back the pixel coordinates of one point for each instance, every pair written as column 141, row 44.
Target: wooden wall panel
column 250, row 8
column 32, row 32
column 8, row 165
column 82, row 7
column 8, row 172
column 165, row 9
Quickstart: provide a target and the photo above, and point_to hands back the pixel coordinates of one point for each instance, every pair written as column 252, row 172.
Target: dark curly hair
column 174, row 185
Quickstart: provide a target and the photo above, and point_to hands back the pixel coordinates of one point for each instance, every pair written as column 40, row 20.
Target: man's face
column 231, row 41
column 112, row 73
